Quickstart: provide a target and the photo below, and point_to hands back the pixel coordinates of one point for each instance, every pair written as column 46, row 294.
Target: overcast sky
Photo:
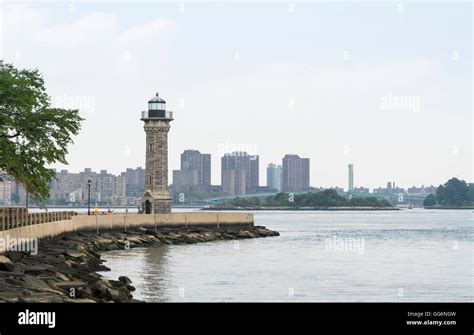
column 324, row 81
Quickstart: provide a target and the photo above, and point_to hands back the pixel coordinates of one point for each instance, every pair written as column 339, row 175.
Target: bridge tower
column 157, row 197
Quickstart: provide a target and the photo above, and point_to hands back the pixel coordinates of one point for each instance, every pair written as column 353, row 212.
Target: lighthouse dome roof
column 156, row 98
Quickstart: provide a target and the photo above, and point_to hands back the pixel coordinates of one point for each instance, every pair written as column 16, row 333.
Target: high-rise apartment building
column 295, row 174
column 233, row 182
column 194, row 160
column 135, row 181
column 195, row 173
column 241, row 161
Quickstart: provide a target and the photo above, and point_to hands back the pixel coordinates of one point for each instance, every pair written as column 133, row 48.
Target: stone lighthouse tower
column 157, row 198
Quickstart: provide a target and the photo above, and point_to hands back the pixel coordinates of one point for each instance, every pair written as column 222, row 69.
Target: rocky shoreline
column 64, row 269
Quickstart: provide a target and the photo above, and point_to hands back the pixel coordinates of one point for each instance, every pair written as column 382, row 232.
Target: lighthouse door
column 147, row 207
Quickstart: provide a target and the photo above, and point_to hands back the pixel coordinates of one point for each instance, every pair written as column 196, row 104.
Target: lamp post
column 89, row 183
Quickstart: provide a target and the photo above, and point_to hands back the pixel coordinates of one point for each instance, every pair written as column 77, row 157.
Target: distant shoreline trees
column 324, row 199
column 454, row 193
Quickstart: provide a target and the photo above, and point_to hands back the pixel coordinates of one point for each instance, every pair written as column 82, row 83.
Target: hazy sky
column 383, row 86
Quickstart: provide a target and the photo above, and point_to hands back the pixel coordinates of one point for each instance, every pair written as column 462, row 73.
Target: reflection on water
column 150, row 263
column 410, row 255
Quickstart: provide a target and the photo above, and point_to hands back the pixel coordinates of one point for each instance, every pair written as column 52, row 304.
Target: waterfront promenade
column 17, row 223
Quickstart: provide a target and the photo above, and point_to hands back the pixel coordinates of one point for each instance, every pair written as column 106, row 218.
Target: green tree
column 326, row 198
column 430, row 200
column 454, row 192
column 282, row 199
column 33, row 135
column 471, row 193
column 255, row 201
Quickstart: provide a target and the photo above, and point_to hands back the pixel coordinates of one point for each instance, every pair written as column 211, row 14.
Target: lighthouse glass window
column 156, row 106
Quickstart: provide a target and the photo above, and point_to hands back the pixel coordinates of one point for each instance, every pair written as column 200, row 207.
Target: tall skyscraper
column 274, row 175
column 195, row 173
column 351, row 177
column 295, row 174
column 194, row 160
column 241, row 161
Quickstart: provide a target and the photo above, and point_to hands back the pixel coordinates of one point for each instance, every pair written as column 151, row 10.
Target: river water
column 322, row 256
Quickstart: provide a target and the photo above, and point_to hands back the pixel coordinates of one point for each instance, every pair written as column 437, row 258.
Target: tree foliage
column 430, row 200
column 454, row 192
column 326, row 198
column 33, row 135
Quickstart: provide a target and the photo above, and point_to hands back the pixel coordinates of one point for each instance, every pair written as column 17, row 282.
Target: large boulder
column 6, row 264
column 125, row 280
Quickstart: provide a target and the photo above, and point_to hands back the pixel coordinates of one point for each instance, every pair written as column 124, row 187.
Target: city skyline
column 127, row 187
column 324, row 96
column 341, row 185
